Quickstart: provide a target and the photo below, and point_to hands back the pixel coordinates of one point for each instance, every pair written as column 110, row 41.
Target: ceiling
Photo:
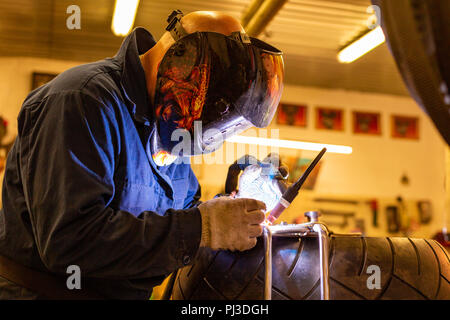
column 309, row 32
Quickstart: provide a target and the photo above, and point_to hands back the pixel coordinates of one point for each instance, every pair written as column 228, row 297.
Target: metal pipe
column 313, row 216
column 291, row 228
column 313, row 226
column 324, row 250
column 268, row 264
column 267, row 10
column 250, row 12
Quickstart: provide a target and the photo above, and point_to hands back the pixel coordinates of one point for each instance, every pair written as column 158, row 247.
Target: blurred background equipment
column 374, row 208
column 425, row 211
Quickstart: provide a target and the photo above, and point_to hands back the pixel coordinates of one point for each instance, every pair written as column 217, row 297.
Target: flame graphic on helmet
column 184, row 97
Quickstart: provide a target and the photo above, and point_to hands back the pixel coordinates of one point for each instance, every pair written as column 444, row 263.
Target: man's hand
column 231, row 224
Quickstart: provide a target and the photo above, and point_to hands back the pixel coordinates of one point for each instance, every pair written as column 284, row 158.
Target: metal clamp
column 174, row 25
column 300, row 230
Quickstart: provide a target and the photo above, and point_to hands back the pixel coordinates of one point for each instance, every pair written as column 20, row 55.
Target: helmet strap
column 174, row 25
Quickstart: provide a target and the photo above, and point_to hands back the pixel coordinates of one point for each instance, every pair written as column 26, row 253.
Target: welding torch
column 292, row 191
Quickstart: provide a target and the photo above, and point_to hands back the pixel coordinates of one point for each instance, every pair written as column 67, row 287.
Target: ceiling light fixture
column 123, row 17
column 356, row 49
column 290, row 144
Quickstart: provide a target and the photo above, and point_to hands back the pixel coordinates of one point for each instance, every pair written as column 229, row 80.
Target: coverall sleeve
column 68, row 156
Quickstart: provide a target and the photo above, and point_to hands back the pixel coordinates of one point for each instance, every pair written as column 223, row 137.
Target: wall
column 15, row 84
column 373, row 170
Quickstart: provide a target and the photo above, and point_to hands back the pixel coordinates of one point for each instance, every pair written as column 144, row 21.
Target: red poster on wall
column 405, row 127
column 366, row 123
column 292, row 115
column 330, row 119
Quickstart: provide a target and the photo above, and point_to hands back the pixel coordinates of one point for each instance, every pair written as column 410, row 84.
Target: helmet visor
column 226, row 84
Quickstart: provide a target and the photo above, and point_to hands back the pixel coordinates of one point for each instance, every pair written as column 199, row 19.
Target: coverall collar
column 133, row 79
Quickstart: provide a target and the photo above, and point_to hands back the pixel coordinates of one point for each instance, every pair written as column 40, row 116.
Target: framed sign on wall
column 405, row 127
column 292, row 115
column 329, row 118
column 39, row 79
column 366, row 123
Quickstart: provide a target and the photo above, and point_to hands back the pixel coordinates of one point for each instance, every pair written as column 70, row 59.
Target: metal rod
column 299, row 230
column 261, row 18
column 268, row 264
column 322, row 233
column 291, row 228
column 250, row 11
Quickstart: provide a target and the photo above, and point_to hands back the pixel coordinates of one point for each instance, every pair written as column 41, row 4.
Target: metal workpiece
column 268, row 263
column 324, row 250
column 311, row 228
column 291, row 229
column 313, row 216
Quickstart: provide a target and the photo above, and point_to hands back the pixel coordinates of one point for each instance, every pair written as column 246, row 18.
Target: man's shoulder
column 96, row 79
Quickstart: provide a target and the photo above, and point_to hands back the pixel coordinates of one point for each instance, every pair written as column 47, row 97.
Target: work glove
column 231, row 224
column 264, row 181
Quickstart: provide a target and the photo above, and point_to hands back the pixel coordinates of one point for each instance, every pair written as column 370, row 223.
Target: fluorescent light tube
column 290, row 144
column 361, row 46
column 123, row 17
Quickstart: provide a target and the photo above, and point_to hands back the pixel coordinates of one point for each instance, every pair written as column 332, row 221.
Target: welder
column 96, row 180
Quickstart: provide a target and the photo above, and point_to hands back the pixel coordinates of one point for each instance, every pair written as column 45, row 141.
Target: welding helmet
column 211, row 86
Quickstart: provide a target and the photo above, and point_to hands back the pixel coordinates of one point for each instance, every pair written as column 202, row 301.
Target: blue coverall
column 81, row 188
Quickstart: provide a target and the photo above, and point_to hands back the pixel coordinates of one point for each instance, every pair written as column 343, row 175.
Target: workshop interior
column 360, row 132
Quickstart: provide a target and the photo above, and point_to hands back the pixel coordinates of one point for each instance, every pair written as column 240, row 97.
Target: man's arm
column 69, row 151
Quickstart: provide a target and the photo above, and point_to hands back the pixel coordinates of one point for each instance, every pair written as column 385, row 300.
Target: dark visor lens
column 246, row 78
column 267, row 89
